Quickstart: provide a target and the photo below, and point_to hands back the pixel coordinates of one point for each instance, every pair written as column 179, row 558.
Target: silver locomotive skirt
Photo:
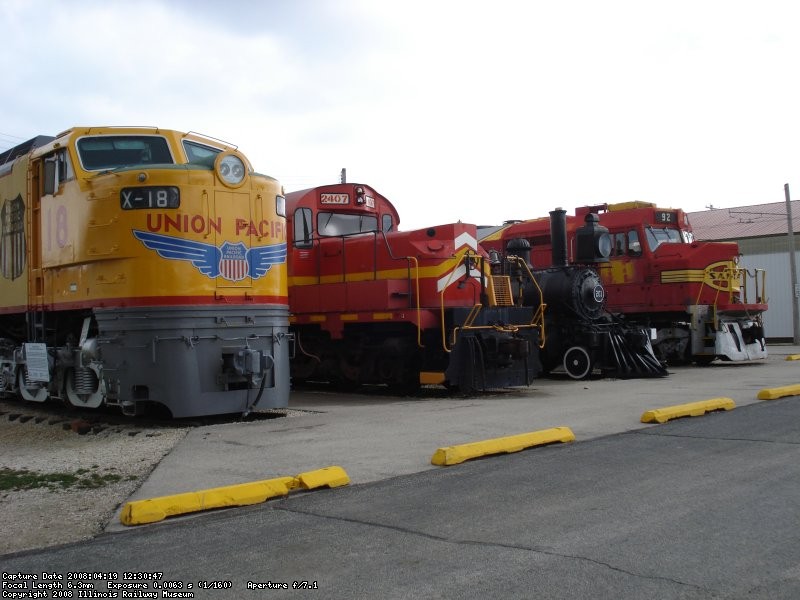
column 195, row 361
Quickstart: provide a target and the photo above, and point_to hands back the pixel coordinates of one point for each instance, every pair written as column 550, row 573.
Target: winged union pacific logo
column 233, row 262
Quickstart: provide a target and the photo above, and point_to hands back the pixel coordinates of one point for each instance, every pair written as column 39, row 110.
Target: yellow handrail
column 538, row 318
column 730, row 276
column 459, row 258
column 536, row 321
column 414, row 260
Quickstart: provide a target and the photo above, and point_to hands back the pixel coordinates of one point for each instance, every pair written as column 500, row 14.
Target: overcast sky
column 477, row 111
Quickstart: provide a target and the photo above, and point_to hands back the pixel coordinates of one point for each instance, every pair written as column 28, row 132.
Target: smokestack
column 558, row 237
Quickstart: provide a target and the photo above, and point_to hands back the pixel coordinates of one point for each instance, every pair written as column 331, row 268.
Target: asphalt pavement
column 696, row 508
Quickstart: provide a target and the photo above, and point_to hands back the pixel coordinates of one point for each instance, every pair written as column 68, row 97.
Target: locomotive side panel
column 15, row 214
column 102, row 254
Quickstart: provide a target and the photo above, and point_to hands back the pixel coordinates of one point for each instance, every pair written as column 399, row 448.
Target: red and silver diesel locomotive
column 700, row 304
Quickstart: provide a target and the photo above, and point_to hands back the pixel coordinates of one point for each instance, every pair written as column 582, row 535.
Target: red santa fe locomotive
column 701, row 304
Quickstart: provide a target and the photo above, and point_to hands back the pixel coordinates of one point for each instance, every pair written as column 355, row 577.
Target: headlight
column 230, row 169
column 604, row 245
column 280, row 206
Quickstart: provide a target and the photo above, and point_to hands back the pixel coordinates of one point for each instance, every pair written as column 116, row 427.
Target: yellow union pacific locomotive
column 142, row 267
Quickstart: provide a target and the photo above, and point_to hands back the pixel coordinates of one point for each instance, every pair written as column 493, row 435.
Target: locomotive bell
column 593, row 243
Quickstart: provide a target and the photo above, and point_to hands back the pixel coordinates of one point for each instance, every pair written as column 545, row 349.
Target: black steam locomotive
column 579, row 333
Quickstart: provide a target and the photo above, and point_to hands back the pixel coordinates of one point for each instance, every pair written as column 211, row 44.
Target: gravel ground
column 42, row 440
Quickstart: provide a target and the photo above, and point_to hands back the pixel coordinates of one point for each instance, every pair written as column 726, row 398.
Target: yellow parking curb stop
column 779, row 392
column 693, row 409
column 453, row 455
column 140, row 512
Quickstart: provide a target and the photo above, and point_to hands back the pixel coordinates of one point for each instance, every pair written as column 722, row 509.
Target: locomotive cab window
column 619, row 246
column 661, row 235
column 108, row 152
column 200, row 154
column 303, row 228
column 57, row 170
column 330, row 224
column 386, row 223
column 634, row 245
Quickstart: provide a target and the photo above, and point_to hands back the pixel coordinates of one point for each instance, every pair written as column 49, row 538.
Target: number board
column 663, row 216
column 159, row 196
column 334, row 199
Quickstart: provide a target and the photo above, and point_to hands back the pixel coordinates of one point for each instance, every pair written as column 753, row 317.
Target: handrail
column 730, row 276
column 415, row 261
column 746, row 275
column 459, row 256
column 536, row 321
column 317, row 240
column 538, row 317
column 419, row 308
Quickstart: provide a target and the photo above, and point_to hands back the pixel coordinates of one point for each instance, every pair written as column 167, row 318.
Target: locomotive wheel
column 578, row 362
column 31, row 393
column 92, row 389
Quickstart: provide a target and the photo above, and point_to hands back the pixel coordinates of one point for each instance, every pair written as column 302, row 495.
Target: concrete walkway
column 375, row 437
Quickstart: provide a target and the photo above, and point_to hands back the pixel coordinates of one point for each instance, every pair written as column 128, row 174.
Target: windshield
column 114, row 151
column 334, row 224
column 662, row 235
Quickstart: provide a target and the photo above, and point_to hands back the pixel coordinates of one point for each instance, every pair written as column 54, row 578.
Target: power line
column 13, row 137
column 8, row 141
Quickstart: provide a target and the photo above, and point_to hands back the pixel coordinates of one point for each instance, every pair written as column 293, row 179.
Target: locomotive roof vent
column 592, row 241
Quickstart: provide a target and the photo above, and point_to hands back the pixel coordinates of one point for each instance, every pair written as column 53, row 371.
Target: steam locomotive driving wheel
column 578, row 362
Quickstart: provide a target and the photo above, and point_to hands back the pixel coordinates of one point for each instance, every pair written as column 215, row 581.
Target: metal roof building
column 762, row 233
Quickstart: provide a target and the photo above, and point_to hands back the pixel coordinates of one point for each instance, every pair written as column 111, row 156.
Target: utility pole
column 793, row 267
